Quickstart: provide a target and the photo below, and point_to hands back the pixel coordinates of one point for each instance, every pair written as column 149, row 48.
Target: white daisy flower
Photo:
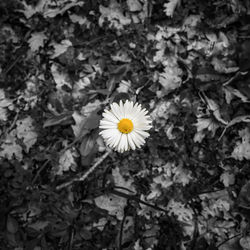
column 124, row 126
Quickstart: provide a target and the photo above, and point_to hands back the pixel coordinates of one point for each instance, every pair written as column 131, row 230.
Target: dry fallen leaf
column 183, row 212
column 207, row 123
column 5, row 103
column 171, row 6
column 245, row 243
column 36, row 41
column 114, row 14
column 170, row 79
column 113, row 204
column 66, row 162
column 227, row 179
column 134, row 5
column 242, row 149
column 60, row 48
column 79, row 19
column 48, row 8
column 26, row 132
column 10, row 149
column 120, row 181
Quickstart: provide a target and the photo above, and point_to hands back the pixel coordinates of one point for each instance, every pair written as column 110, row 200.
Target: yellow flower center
column 125, row 126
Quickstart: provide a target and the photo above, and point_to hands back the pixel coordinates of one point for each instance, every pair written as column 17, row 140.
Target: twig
column 123, row 188
column 223, row 132
column 71, row 238
column 40, row 170
column 196, row 232
column 11, row 126
column 121, row 232
column 12, row 64
column 85, row 176
column 13, row 123
column 230, row 238
column 210, row 191
column 238, row 73
column 20, row 52
column 132, row 197
column 70, row 145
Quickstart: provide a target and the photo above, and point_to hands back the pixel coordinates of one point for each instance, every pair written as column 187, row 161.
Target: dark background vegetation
column 62, row 62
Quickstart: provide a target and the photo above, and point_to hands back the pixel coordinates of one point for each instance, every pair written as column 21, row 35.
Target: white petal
column 117, row 139
column 137, row 111
column 108, row 133
column 136, row 106
column 142, row 133
column 110, row 117
column 141, row 122
column 125, row 106
column 135, row 140
column 144, row 111
column 130, row 141
column 114, row 139
column 141, row 116
column 110, row 142
column 139, row 138
column 126, row 143
column 122, row 109
column 116, row 110
column 107, row 125
column 105, row 122
column 141, row 125
column 122, row 143
column 128, row 108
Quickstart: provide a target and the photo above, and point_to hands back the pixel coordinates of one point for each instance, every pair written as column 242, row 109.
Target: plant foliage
column 62, row 62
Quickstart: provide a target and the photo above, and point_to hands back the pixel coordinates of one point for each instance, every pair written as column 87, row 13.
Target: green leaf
column 12, row 225
column 92, row 121
column 171, row 6
column 88, row 148
column 120, row 97
column 245, row 242
column 227, row 178
column 85, row 123
column 31, row 245
column 244, row 196
column 26, row 131
column 85, row 234
column 58, row 119
column 87, row 145
column 113, row 204
column 116, row 76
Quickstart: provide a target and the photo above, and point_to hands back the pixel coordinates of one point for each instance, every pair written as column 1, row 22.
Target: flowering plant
column 124, row 126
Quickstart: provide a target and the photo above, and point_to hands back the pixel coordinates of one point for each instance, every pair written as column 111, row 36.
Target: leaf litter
column 67, row 60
